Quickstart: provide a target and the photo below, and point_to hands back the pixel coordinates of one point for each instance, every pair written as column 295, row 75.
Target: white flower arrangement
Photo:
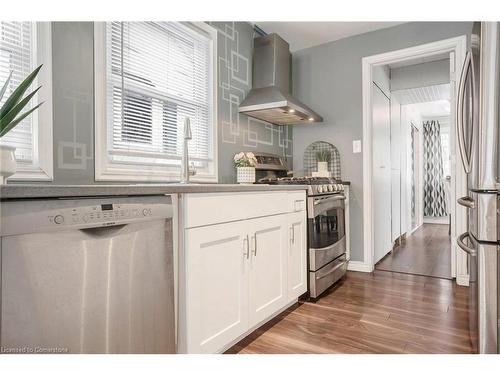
column 245, row 159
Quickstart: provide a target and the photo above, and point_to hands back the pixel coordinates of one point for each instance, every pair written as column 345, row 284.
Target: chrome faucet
column 186, row 172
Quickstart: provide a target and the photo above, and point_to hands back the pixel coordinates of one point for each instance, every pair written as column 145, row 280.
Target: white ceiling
column 423, row 94
column 439, row 108
column 302, row 35
column 430, row 101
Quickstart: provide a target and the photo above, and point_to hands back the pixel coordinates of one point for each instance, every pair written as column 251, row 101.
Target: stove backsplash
column 238, row 132
column 311, row 162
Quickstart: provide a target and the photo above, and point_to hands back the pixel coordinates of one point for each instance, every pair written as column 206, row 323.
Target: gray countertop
column 26, row 191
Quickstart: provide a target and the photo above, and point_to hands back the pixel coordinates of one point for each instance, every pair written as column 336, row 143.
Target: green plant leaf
column 5, row 85
column 18, row 120
column 18, row 93
column 11, row 115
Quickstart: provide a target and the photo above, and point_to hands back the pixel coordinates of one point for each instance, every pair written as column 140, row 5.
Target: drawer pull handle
column 466, row 202
column 247, row 254
column 460, row 242
column 331, row 271
column 255, row 244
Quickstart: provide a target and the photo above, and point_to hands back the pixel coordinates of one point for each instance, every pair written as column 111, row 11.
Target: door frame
column 458, row 45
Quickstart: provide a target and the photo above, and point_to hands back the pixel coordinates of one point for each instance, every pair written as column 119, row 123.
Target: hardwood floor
column 426, row 252
column 379, row 312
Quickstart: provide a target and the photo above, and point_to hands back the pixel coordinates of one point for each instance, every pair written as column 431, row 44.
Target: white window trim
column 108, row 171
column 43, row 168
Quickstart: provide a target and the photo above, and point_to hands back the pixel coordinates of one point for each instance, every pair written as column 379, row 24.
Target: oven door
column 326, row 229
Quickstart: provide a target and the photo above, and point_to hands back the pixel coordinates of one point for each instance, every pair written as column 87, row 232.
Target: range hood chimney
column 270, row 98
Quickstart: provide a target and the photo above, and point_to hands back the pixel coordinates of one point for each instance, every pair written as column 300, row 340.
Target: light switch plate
column 356, row 146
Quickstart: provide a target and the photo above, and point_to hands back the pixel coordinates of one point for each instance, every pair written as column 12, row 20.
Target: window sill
column 151, row 176
column 35, row 174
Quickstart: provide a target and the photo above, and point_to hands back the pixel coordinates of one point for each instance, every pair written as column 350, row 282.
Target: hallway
column 426, row 252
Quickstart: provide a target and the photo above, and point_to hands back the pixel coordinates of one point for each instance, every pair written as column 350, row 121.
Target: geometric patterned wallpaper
column 235, row 45
column 73, row 153
column 73, row 104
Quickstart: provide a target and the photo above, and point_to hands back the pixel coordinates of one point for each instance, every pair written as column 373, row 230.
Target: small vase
column 8, row 165
column 322, row 166
column 245, row 175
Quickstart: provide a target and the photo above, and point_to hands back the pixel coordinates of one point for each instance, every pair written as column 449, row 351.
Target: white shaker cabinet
column 296, row 256
column 217, row 285
column 234, row 276
column 268, row 266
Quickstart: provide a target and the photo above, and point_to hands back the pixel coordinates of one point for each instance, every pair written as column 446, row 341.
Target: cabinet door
column 268, row 266
column 217, row 286
column 297, row 255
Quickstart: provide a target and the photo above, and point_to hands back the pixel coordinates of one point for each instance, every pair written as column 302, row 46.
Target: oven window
column 326, row 228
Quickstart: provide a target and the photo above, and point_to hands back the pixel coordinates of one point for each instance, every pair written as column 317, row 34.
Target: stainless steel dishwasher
column 87, row 276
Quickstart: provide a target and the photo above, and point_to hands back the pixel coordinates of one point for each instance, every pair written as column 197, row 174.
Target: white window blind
column 17, row 56
column 158, row 73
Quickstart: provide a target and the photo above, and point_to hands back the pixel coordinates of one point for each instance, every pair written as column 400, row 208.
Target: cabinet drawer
column 296, row 201
column 322, row 279
column 214, row 208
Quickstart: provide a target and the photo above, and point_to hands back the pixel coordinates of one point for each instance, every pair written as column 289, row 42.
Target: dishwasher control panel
column 64, row 214
column 103, row 213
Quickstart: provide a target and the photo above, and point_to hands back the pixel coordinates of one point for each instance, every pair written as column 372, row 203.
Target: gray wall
column 328, row 78
column 73, row 102
column 73, row 75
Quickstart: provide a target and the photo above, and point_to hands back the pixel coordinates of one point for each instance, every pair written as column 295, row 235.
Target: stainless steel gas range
column 327, row 260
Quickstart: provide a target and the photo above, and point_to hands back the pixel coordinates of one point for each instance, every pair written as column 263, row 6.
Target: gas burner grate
column 298, row 181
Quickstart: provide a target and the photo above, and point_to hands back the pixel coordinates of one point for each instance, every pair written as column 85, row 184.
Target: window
column 24, row 46
column 149, row 77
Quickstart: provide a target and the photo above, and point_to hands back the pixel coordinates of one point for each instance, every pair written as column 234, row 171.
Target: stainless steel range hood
column 269, row 99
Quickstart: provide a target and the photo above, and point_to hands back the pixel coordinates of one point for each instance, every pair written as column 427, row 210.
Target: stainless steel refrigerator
column 478, row 140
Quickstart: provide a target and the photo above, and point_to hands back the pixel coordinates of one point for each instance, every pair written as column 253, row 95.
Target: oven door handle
column 330, row 199
column 329, row 247
column 331, row 271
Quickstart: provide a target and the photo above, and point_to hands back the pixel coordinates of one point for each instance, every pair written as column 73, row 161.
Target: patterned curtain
column 434, row 193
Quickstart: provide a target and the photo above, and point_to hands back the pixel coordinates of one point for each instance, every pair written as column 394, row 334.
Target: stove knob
column 325, row 188
column 330, row 187
column 320, row 189
column 340, row 187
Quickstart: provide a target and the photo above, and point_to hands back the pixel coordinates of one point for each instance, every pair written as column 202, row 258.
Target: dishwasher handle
column 103, row 231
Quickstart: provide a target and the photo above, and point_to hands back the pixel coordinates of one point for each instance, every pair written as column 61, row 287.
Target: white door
column 217, row 286
column 396, row 142
column 297, row 255
column 381, row 173
column 268, row 265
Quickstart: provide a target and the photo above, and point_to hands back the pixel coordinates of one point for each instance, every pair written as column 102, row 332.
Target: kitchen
column 205, row 192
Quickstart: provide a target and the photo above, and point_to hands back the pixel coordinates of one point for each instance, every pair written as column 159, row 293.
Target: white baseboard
column 359, row 266
column 463, row 280
column 437, row 220
column 414, row 229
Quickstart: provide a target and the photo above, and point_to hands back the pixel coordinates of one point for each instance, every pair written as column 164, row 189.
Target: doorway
column 409, row 229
